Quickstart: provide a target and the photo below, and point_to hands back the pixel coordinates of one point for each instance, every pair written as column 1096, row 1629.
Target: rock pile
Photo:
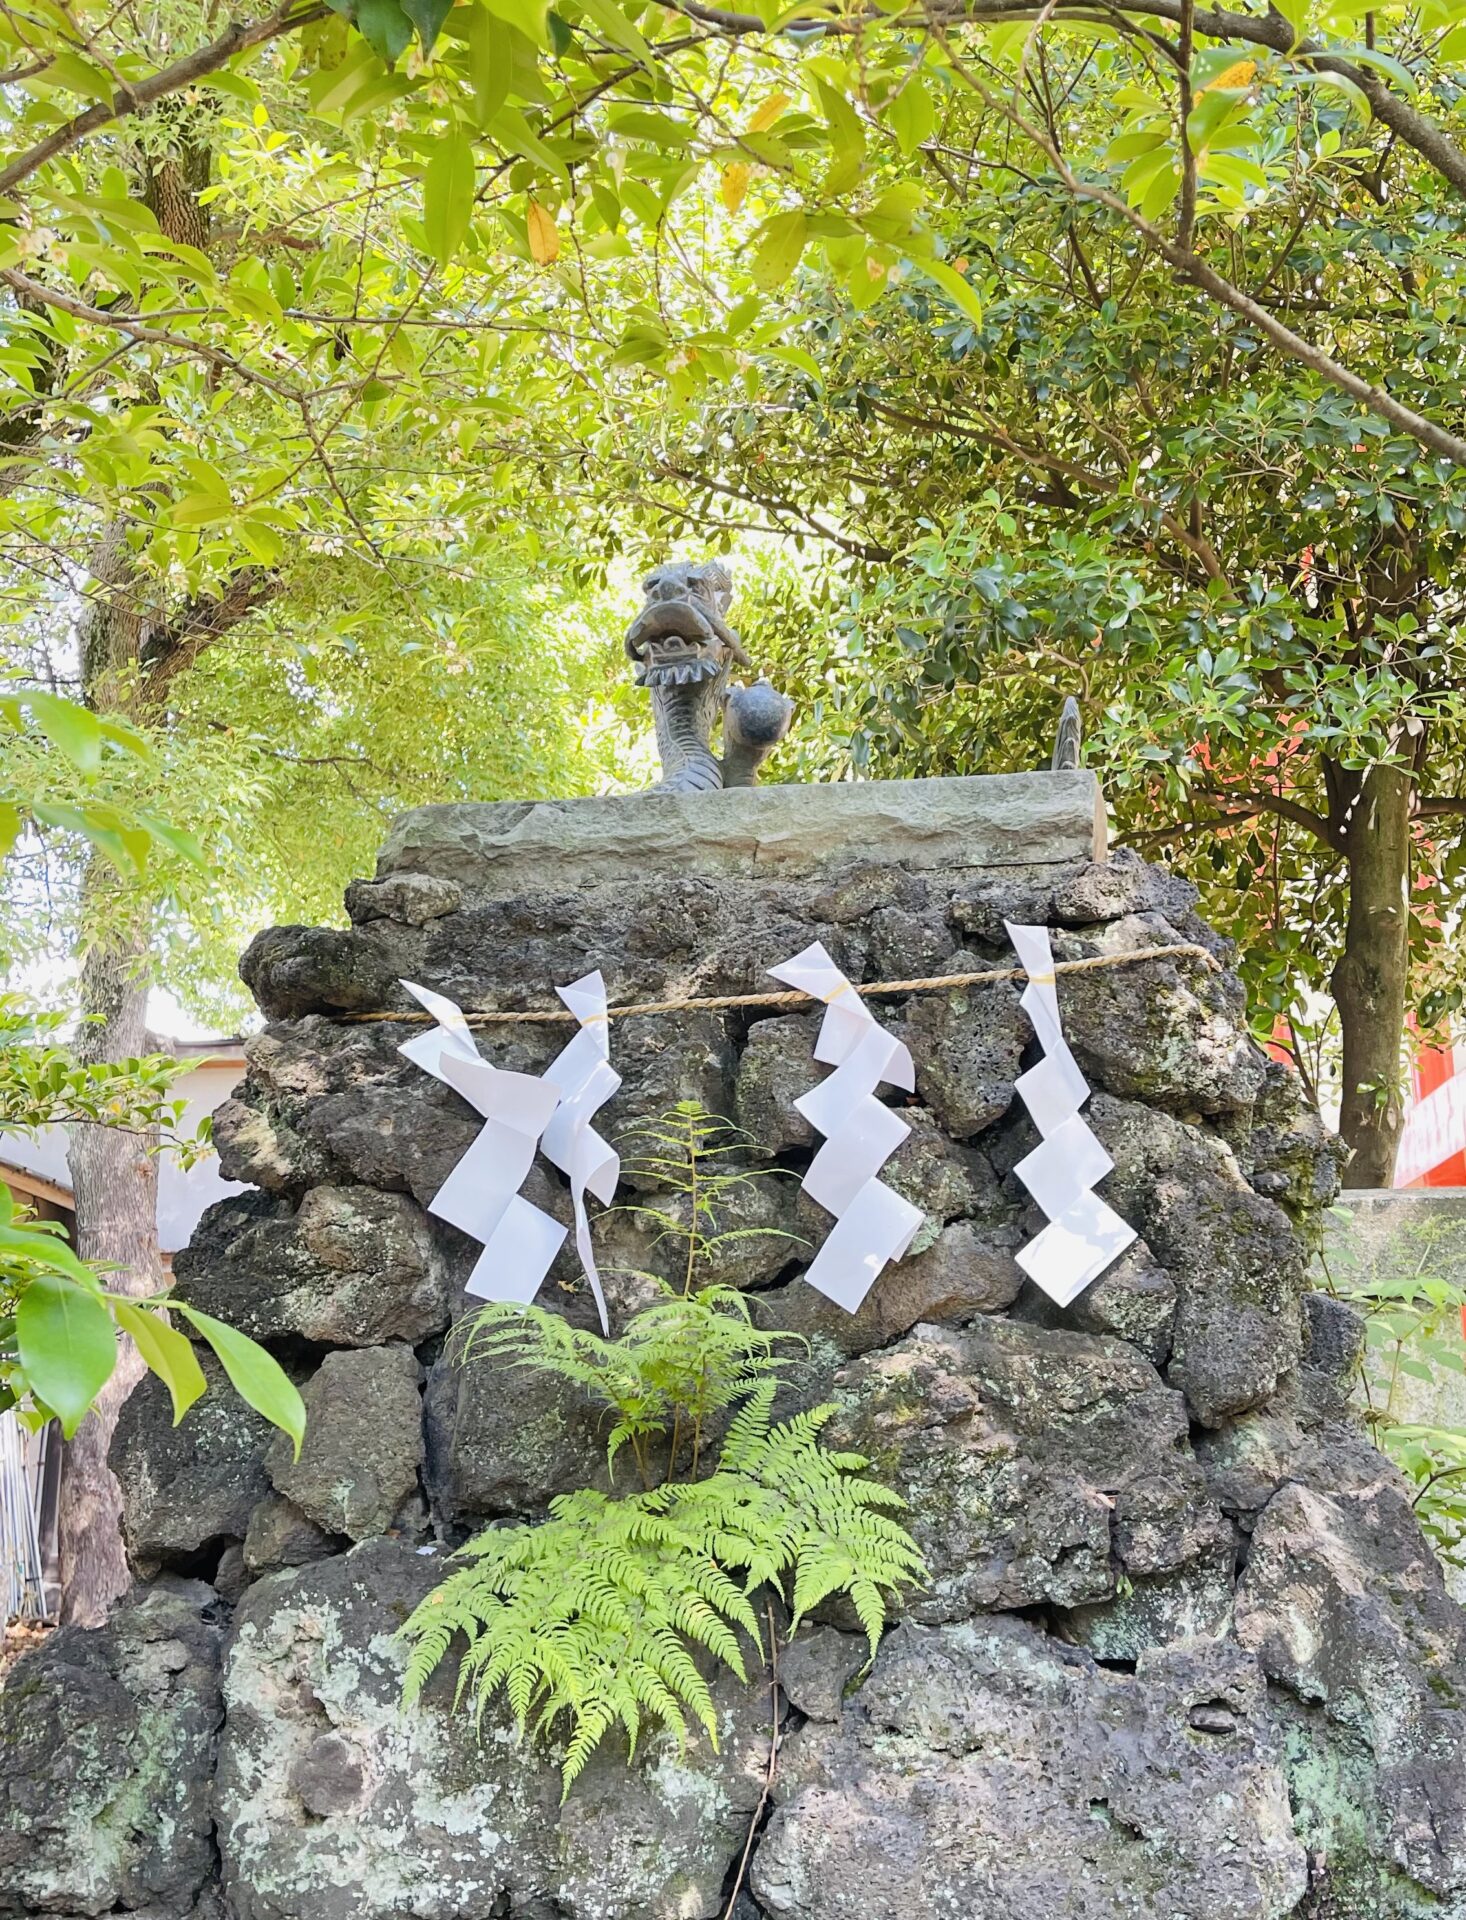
column 1184, row 1654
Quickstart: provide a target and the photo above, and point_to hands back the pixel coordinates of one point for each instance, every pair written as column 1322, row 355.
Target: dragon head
column 681, row 637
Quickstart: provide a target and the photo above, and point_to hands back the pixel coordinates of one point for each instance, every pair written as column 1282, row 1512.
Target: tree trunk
column 1371, row 979
column 129, row 653
column 115, row 1181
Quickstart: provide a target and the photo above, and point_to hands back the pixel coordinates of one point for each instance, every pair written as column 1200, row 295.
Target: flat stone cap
column 793, row 832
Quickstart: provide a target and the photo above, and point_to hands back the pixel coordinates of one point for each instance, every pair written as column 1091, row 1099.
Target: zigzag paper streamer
column 1083, row 1235
column 585, row 1080
column 874, row 1224
column 481, row 1195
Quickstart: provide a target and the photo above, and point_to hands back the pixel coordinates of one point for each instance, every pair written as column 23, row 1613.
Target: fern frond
column 612, row 1613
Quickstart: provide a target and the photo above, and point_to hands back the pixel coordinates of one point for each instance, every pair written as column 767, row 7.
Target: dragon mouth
column 676, row 667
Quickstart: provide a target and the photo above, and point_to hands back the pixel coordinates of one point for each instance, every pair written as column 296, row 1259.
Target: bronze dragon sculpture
column 684, row 653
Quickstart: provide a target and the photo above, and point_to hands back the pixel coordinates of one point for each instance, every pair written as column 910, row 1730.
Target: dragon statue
column 684, row 653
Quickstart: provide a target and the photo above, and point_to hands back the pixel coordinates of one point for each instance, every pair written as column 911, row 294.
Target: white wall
column 182, row 1195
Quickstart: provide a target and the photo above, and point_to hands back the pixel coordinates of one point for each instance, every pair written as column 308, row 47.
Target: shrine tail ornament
column 1084, row 1235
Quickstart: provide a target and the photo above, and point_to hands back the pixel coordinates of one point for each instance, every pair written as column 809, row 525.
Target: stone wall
column 1184, row 1654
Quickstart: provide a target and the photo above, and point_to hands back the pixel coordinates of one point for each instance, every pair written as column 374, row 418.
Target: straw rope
column 725, row 1002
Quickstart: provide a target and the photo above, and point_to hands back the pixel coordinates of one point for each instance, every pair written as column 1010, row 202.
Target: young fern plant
column 594, row 1617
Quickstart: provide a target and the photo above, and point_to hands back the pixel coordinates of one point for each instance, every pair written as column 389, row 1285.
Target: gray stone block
column 987, row 820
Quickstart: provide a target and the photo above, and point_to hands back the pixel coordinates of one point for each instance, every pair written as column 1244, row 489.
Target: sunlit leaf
column 165, row 1352
column 544, row 235
column 67, row 1345
column 448, row 189
column 257, row 1377
column 781, row 242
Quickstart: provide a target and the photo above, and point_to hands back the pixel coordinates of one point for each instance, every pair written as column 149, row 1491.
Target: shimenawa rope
column 726, row 1002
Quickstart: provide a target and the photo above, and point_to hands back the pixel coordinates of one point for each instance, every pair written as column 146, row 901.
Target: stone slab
column 793, row 832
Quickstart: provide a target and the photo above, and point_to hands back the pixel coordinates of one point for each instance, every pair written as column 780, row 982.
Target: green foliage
column 58, row 1337
column 592, row 1617
column 588, row 1615
column 58, row 1322
column 1414, row 1301
column 43, row 1084
column 37, row 728
column 908, row 290
column 686, row 1357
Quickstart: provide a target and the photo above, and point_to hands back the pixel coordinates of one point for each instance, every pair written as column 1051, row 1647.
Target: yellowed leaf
column 735, row 185
column 1239, row 74
column 544, row 236
column 768, row 113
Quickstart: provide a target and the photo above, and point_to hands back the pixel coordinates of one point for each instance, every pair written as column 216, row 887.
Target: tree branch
column 237, row 37
column 199, row 624
column 857, row 549
column 22, row 284
column 1434, row 145
column 1186, row 224
column 1192, row 267
column 997, row 437
column 1242, row 804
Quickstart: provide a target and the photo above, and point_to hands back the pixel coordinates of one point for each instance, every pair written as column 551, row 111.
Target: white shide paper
column 874, row 1224
column 522, row 1111
column 1084, row 1235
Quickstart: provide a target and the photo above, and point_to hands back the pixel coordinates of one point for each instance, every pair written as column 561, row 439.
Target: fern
column 594, row 1617
column 680, row 1363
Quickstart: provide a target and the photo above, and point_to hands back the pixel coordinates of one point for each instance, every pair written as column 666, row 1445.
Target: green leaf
column 511, row 129
column 847, row 140
column 100, row 825
column 637, row 123
column 1387, row 64
column 257, row 1377
column 176, row 839
column 428, row 17
column 781, row 242
column 448, row 188
column 1340, row 83
column 490, row 63
column 165, row 1352
column 911, row 115
column 1164, row 186
column 1129, row 146
column 955, row 287
column 797, row 357
column 72, row 728
column 67, row 1344
column 384, row 25
column 530, row 17
column 10, row 825
column 618, row 29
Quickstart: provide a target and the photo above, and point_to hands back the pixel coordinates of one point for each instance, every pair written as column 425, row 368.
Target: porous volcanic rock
column 350, row 1267
column 1183, row 1652
column 984, row 1768
column 335, row 1802
column 108, row 1742
column 190, row 1488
